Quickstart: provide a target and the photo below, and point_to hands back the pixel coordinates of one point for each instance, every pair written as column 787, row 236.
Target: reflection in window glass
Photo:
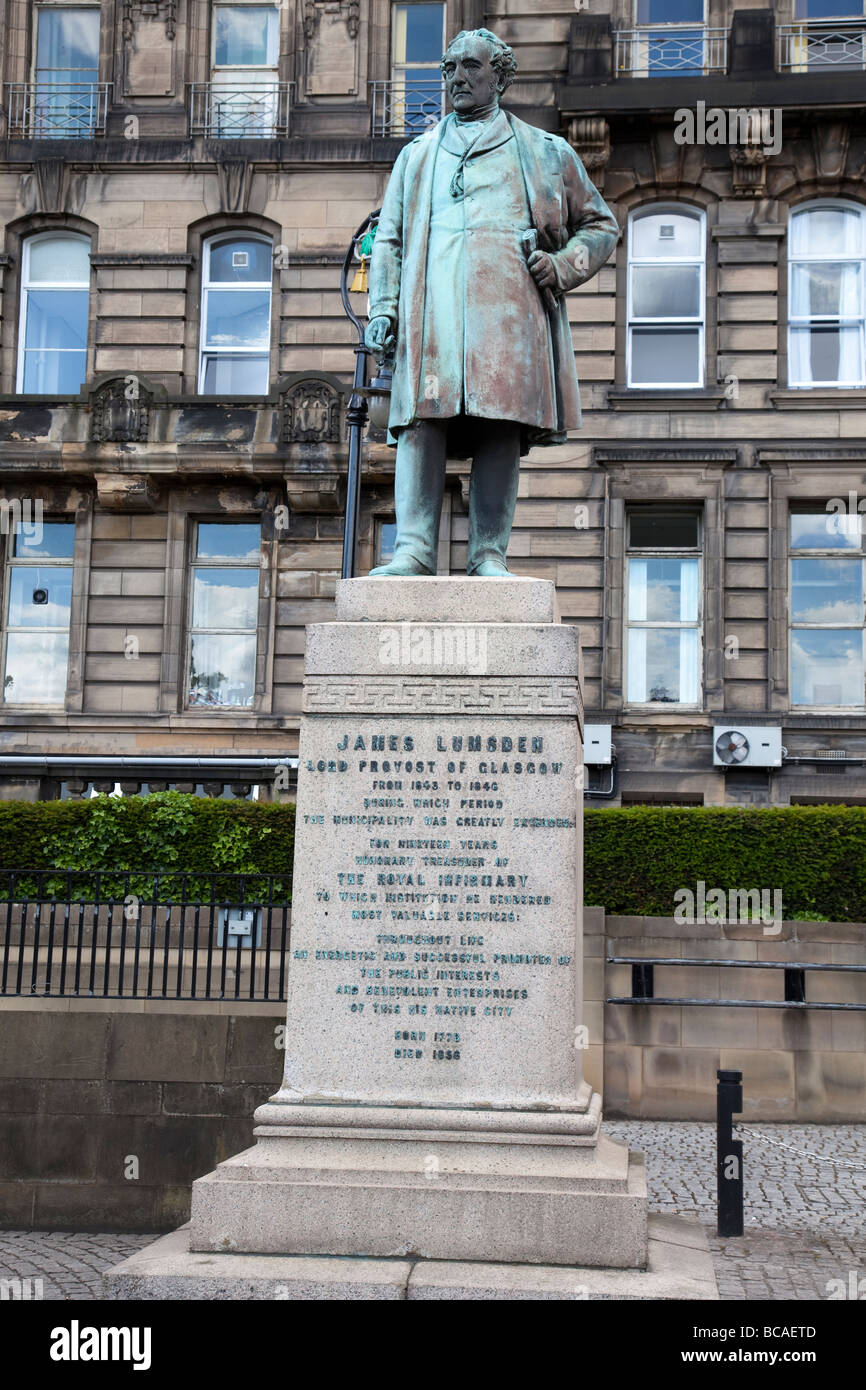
column 386, row 539
column 826, row 309
column 38, row 605
column 830, row 530
column 55, row 292
column 827, row 611
column 236, row 317
column 670, row 11
column 245, row 36
column 663, row 629
column 224, row 615
column 418, row 42
column 666, row 299
column 66, row 71
column 217, row 541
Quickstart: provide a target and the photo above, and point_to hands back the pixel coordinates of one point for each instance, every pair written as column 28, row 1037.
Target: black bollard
column 729, row 1154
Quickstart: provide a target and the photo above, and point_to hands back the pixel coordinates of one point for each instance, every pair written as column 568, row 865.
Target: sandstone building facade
column 179, row 183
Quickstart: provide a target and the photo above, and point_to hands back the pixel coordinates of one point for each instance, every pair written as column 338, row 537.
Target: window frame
column 12, row 562
column 402, row 114
column 195, row 562
column 48, row 7
column 699, row 321
column 205, row 352
column 273, row 67
column 824, row 553
column 629, row 624
column 23, row 299
column 806, row 321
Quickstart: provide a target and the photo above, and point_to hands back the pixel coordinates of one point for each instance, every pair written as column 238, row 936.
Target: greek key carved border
column 429, row 695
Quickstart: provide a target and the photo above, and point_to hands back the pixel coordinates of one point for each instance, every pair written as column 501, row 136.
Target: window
column 38, row 602
column 245, row 70
column 66, row 72
column 826, row 39
column 386, row 539
column 418, row 42
column 666, row 298
column 236, row 317
column 224, row 614
column 55, row 289
column 827, row 576
column 663, row 617
column 826, row 269
column 678, row 46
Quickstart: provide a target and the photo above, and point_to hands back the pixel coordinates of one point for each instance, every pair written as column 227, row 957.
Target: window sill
column 674, row 398
column 819, row 398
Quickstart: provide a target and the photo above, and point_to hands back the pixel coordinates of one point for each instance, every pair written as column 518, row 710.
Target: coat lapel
column 544, row 185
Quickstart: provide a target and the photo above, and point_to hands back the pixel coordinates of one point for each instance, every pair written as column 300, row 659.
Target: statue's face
column 471, row 80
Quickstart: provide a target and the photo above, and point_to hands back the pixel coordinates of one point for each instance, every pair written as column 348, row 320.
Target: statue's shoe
column 401, row 567
column 492, row 569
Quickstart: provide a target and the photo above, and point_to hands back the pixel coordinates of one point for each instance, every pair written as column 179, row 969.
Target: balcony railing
column 825, row 43
column 657, row 50
column 406, row 106
column 45, row 111
column 240, row 112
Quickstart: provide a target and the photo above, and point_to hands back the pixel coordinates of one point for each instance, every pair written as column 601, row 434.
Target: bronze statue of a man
column 486, row 223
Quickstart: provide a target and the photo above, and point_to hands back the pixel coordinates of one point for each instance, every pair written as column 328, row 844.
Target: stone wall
column 87, row 1085
column 84, row 1093
column 660, row 1061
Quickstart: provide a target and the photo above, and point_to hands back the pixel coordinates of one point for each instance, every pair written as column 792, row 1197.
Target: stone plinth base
column 679, row 1267
column 438, row 1184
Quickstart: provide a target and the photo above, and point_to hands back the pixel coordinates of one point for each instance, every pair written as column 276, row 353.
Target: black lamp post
column 357, row 412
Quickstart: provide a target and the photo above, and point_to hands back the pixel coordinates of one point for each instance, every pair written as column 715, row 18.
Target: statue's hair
column 502, row 58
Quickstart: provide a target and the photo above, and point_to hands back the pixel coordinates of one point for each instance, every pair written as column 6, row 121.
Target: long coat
column 574, row 226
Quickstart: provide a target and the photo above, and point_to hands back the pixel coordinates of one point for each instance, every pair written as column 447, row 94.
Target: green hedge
column 636, row 858
column 169, row 832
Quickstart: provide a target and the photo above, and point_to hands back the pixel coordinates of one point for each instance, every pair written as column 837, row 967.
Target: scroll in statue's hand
column 379, row 337
column 541, row 270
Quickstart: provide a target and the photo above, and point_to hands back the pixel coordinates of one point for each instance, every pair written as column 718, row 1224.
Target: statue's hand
column 541, row 269
column 379, row 337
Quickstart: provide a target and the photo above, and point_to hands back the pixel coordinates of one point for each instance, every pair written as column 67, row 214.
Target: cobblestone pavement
column 805, row 1213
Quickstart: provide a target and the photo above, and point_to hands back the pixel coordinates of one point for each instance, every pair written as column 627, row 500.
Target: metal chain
column 801, row 1153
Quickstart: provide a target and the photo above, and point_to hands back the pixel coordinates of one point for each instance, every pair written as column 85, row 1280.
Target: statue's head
column 477, row 67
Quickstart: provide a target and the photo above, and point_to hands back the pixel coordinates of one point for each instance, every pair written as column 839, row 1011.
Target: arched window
column 666, row 298
column 826, row 296
column 236, row 316
column 55, row 290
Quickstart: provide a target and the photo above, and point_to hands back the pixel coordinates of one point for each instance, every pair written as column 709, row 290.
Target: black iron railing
column 128, row 935
column 57, row 111
column 643, row 982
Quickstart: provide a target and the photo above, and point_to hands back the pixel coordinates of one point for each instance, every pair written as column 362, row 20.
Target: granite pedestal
column 432, row 1105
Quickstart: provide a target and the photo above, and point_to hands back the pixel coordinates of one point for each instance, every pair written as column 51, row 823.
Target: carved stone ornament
column 589, row 136
column 126, row 492
column 120, row 411
column 53, row 178
column 749, row 165
column 234, row 177
column 310, row 413
column 149, row 9
column 830, row 141
column 349, row 8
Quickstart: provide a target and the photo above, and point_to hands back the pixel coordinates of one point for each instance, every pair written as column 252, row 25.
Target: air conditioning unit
column 597, row 748
column 747, row 745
